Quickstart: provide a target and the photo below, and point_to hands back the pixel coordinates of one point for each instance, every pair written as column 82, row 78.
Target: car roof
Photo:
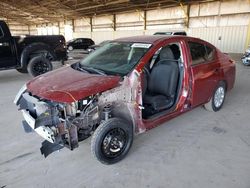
column 81, row 38
column 149, row 38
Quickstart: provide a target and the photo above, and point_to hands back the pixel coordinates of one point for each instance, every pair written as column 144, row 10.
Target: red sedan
column 124, row 88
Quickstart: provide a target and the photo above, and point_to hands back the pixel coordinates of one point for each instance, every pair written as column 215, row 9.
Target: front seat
column 162, row 83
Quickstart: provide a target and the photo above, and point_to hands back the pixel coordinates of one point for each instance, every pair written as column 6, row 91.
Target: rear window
column 90, row 41
column 198, row 52
column 180, row 33
column 210, row 53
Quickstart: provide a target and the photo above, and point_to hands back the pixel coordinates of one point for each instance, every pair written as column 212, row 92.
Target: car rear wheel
column 70, row 48
column 39, row 65
column 111, row 141
column 218, row 98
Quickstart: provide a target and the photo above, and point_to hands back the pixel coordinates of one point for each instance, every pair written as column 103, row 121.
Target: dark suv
column 79, row 43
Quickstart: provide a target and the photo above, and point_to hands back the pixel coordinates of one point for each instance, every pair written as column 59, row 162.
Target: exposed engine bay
column 61, row 124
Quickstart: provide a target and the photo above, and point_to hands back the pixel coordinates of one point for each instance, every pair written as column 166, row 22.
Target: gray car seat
column 162, row 83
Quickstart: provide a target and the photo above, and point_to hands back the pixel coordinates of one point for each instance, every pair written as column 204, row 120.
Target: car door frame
column 182, row 103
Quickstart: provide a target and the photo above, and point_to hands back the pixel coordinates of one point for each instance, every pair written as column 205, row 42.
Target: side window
column 198, row 52
column 1, row 32
column 210, row 53
column 86, row 41
column 171, row 52
column 78, row 41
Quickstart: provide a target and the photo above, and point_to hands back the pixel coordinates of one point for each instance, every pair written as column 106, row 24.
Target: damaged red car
column 124, row 88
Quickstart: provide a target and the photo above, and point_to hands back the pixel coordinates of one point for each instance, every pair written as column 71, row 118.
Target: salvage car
column 122, row 89
column 30, row 54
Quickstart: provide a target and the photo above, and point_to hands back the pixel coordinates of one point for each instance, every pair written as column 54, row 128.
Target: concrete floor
column 199, row 149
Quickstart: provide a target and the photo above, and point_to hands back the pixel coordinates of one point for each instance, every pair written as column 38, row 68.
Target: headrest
column 166, row 53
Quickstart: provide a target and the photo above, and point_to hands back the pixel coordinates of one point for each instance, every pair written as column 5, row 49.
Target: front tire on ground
column 218, row 98
column 112, row 140
column 39, row 65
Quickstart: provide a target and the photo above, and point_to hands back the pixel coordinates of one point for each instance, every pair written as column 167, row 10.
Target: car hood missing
column 69, row 85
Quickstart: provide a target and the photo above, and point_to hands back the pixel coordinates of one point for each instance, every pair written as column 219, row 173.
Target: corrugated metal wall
column 223, row 23
column 228, row 39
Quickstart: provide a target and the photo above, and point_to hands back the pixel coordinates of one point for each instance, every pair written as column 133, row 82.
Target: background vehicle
column 122, row 89
column 94, row 47
column 80, row 43
column 246, row 57
column 171, row 33
column 31, row 54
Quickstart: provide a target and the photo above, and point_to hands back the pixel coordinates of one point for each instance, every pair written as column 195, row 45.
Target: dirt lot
column 199, row 149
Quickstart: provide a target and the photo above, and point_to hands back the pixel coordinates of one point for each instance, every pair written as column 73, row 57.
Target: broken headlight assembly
column 60, row 124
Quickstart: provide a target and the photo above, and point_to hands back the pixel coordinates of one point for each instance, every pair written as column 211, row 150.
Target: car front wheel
column 112, row 140
column 218, row 98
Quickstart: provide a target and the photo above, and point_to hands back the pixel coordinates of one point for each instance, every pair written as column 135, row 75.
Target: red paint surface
column 69, row 85
column 200, row 81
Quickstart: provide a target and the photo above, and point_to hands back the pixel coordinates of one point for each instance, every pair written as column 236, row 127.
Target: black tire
column 39, row 65
column 108, row 136
column 212, row 105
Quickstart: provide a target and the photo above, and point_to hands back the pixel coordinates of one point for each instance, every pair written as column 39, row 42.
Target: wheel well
column 122, row 112
column 44, row 53
column 221, row 81
column 225, row 83
column 35, row 49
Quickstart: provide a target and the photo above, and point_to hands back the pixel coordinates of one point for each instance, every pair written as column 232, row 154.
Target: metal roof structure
column 31, row 12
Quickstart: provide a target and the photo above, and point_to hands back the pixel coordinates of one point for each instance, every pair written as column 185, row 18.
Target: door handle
column 4, row 44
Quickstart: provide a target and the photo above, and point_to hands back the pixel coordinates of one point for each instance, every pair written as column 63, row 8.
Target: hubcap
column 219, row 97
column 114, row 143
column 41, row 68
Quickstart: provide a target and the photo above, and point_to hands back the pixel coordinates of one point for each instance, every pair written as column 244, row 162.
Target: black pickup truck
column 30, row 54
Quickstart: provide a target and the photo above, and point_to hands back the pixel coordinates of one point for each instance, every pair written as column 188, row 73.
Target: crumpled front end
column 60, row 124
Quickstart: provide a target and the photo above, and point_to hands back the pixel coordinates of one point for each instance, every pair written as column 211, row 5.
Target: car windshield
column 116, row 58
column 104, row 42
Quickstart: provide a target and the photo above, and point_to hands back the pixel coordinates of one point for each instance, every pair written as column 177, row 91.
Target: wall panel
column 229, row 39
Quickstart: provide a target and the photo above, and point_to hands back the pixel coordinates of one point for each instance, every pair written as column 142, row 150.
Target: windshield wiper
column 93, row 70
column 79, row 67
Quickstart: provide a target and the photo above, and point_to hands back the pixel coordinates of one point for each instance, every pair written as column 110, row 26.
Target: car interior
column 161, row 81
